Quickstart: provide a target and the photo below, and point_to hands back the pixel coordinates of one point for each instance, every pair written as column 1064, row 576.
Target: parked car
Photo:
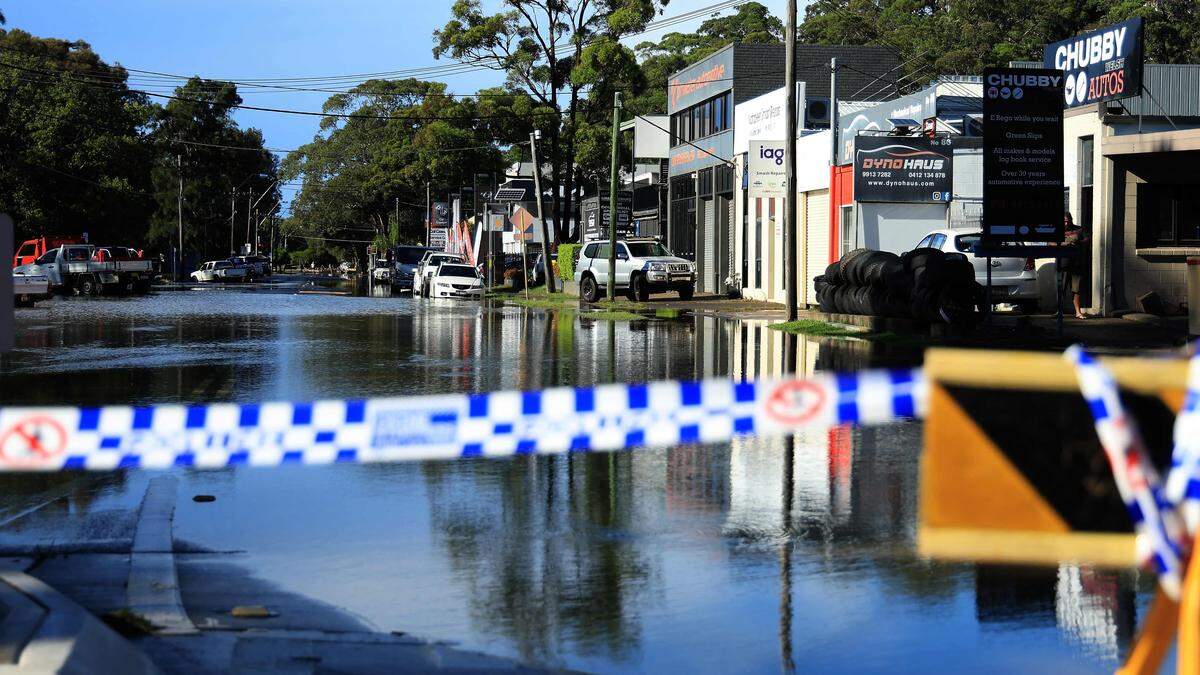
column 644, row 266
column 220, row 270
column 257, row 266
column 87, row 270
column 455, row 280
column 347, row 269
column 29, row 288
column 428, row 266
column 539, row 272
column 404, row 268
column 382, row 274
column 1014, row 280
column 32, row 249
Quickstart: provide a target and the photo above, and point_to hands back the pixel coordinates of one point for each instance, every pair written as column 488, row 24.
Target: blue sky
column 239, row 39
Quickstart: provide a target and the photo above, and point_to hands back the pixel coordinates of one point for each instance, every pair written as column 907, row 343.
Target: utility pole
column 249, row 213
column 179, row 208
column 232, row 217
column 397, row 223
column 428, row 213
column 789, row 156
column 612, row 197
column 537, row 189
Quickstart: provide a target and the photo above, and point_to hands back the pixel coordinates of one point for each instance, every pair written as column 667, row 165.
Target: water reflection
column 754, row 555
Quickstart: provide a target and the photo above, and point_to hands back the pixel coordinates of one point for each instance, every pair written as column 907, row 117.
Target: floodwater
column 754, row 556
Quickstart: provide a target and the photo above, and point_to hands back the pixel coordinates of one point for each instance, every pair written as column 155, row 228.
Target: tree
column 71, row 138
column 382, row 142
column 941, row 37
column 217, row 156
column 537, row 44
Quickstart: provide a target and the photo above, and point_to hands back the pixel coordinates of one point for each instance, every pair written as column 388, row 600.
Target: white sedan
column 1014, row 280
column 452, row 280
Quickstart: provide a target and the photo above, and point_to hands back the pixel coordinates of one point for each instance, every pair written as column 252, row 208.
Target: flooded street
column 752, row 556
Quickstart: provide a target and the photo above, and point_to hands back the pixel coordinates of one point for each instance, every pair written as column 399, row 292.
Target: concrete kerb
column 67, row 639
column 153, row 589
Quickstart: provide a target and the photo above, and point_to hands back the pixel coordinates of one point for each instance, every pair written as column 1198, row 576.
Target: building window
column 701, row 120
column 1086, row 157
column 1168, row 215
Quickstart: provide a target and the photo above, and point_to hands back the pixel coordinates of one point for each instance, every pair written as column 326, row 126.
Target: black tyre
column 833, row 273
column 919, row 257
column 89, row 286
column 638, row 290
column 848, row 260
column 686, row 293
column 589, row 291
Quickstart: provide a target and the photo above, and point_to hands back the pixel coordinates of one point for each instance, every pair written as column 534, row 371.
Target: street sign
column 913, row 169
column 596, row 215
column 1022, row 155
column 441, row 215
column 438, row 237
column 509, row 194
column 1100, row 65
column 523, row 222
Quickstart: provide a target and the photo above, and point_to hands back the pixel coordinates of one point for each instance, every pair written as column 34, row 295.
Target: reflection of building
column 1095, row 609
column 697, row 478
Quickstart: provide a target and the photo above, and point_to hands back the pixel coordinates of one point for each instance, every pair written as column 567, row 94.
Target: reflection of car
column 428, row 266
column 1014, row 280
column 407, row 258
column 644, row 266
column 455, row 280
column 28, row 288
column 220, row 270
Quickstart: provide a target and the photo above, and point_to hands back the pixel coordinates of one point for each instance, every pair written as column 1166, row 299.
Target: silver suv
column 644, row 266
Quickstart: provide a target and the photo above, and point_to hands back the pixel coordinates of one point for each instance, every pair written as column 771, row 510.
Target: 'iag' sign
column 902, row 169
column 1100, row 65
column 765, row 168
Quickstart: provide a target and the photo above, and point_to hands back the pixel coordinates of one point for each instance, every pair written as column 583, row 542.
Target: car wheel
column 686, row 293
column 638, row 291
column 588, row 290
column 88, row 287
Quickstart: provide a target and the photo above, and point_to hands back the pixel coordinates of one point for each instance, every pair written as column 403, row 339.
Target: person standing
column 1079, row 266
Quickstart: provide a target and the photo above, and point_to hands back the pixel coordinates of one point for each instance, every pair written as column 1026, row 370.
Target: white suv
column 644, row 266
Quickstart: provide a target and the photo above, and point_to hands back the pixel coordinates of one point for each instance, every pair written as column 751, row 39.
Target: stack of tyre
column 924, row 284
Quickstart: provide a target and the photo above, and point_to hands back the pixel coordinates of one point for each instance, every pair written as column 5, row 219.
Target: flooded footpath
column 751, row 556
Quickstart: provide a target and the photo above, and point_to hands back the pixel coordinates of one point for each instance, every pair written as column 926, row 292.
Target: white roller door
column 816, row 219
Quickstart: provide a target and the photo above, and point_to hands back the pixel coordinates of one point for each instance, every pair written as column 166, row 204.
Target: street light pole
column 232, row 217
column 537, row 189
column 612, row 197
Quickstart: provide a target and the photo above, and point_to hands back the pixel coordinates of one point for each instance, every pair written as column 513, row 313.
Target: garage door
column 708, row 265
column 816, row 217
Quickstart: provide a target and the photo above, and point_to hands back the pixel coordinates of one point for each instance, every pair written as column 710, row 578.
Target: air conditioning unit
column 816, row 113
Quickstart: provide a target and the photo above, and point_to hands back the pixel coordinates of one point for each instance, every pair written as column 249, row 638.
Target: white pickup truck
column 29, row 288
column 90, row 270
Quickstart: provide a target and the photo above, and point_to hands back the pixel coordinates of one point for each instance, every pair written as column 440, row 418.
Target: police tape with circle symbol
column 32, row 441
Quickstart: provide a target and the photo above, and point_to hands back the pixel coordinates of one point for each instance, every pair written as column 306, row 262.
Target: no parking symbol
column 32, row 441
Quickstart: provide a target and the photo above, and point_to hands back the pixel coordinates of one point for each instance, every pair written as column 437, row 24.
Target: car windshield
column 408, row 255
column 457, row 271
column 644, row 249
column 966, row 243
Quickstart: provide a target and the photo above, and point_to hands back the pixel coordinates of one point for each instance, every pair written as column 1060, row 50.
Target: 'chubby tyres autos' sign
column 1099, row 65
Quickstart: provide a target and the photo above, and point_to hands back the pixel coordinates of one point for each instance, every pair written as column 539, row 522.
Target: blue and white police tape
column 606, row 417
column 1183, row 480
column 1161, row 536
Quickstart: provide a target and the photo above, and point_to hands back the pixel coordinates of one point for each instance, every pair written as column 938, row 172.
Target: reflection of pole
column 785, row 560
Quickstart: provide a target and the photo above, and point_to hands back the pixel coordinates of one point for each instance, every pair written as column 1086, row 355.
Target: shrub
column 568, row 255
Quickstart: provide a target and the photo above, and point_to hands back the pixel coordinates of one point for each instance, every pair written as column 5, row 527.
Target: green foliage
column 568, row 255
column 937, row 37
column 189, row 128
column 74, row 158
column 406, row 134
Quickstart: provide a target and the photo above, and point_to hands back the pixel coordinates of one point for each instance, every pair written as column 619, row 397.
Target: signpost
column 913, row 169
column 1099, row 65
